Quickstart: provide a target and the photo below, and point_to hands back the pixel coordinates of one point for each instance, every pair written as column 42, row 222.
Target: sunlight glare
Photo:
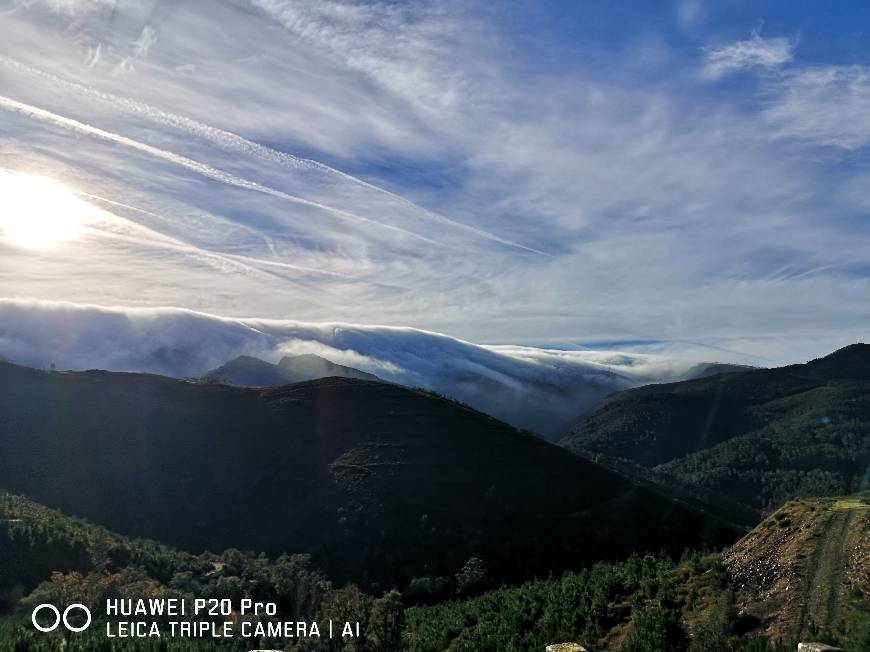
column 37, row 212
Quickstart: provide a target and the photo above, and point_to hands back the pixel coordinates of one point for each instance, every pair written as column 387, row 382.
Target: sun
column 37, row 212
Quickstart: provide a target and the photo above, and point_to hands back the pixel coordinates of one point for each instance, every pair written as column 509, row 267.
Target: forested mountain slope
column 382, row 483
column 761, row 436
column 802, row 574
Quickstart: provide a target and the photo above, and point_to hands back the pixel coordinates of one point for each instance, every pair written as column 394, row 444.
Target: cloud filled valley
column 540, row 389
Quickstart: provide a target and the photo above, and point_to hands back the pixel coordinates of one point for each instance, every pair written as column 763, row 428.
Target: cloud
column 203, row 169
column 77, row 7
column 145, row 42
column 755, row 52
column 224, row 139
column 408, row 163
column 822, row 104
column 543, row 389
column 406, row 49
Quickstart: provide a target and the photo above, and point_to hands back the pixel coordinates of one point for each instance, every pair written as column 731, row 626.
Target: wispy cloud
column 406, row 49
column 754, row 52
column 822, row 104
column 198, row 167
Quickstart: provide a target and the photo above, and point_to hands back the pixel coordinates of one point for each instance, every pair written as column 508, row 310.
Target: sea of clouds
column 537, row 388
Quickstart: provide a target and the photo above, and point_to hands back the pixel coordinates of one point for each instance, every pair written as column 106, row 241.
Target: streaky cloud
column 235, row 143
column 203, row 169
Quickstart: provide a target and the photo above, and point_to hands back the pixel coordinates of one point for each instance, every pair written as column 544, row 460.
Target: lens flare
column 37, row 212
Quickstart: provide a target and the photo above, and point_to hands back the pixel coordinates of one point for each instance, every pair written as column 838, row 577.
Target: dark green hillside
column 36, row 541
column 46, row 556
column 804, row 570
column 802, row 575
column 382, row 483
column 760, row 436
column 705, row 369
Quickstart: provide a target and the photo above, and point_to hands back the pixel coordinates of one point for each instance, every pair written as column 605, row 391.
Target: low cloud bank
column 540, row 389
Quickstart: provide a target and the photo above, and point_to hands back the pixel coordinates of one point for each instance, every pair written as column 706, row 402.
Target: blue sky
column 685, row 177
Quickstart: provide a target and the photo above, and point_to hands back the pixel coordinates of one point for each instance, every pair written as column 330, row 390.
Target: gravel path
column 828, row 566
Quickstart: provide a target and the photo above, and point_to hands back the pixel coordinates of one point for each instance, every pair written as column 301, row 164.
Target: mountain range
column 382, row 483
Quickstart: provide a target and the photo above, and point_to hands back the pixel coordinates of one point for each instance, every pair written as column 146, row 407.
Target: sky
column 677, row 178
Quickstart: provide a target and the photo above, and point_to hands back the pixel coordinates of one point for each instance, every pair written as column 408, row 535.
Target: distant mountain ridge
column 705, row 369
column 382, row 483
column 761, row 436
column 248, row 371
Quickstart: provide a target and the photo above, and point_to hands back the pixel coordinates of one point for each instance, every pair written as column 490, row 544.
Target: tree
column 386, row 623
column 656, row 629
column 472, row 576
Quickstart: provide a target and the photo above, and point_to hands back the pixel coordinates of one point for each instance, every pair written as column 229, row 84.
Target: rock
column 566, row 647
column 818, row 647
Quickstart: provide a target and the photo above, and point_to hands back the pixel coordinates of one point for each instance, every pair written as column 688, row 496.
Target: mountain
column 380, row 482
column 311, row 367
column 248, row 371
column 540, row 405
column 805, row 567
column 705, row 369
column 761, row 436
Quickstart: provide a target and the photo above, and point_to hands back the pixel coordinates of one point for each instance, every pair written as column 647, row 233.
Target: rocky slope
column 805, row 567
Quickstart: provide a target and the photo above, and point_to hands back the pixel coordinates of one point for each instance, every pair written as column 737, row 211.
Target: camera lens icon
column 61, row 618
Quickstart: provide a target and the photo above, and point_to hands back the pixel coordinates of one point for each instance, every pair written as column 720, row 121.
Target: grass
column 852, row 503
